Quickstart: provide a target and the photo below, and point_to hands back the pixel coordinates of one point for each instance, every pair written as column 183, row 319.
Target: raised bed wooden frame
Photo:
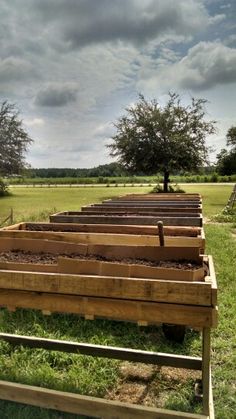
column 102, row 408
column 196, row 239
column 144, row 301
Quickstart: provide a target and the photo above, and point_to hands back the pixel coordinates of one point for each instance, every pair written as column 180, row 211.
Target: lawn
column 96, row 376
column 37, row 203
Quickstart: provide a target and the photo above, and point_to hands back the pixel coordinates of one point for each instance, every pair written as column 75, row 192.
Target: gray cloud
column 110, row 50
column 57, row 95
column 205, row 66
column 86, row 22
column 13, row 69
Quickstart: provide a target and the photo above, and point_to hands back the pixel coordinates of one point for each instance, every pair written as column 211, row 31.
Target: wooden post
column 206, row 348
column 11, row 216
column 161, row 233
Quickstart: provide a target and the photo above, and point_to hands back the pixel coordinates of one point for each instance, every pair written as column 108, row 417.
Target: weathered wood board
column 98, row 267
column 106, row 238
column 141, row 312
column 110, row 252
column 146, row 210
column 76, row 217
column 107, row 228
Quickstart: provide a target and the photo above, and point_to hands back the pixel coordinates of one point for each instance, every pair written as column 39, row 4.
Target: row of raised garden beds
column 110, row 261
column 135, row 210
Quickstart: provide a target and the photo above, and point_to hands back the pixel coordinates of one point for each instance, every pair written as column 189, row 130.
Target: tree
column 226, row 159
column 231, row 137
column 152, row 138
column 14, row 140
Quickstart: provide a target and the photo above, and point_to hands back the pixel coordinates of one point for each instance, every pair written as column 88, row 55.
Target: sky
column 71, row 67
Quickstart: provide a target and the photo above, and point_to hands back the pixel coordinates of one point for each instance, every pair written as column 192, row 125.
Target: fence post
column 11, row 216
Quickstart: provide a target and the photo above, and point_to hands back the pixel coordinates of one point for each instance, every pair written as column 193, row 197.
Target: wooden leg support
column 206, row 348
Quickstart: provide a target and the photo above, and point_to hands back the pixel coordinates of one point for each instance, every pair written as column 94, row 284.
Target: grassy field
column 101, row 377
column 31, row 204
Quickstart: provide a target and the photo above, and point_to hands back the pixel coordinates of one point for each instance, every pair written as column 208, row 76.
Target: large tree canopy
column 152, row 138
column 14, row 140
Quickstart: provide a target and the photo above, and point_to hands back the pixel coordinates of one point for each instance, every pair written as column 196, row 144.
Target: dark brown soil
column 21, row 256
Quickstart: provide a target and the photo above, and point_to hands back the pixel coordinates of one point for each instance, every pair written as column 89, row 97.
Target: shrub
column 171, row 189
column 4, row 191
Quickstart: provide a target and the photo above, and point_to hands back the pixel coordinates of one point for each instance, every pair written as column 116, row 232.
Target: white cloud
column 205, row 66
column 35, row 122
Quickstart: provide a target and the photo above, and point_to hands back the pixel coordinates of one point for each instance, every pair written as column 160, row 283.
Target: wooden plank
column 211, row 403
column 134, row 212
column 112, row 287
column 105, row 238
column 85, row 405
column 125, row 354
column 149, row 204
column 43, row 246
column 150, row 253
column 78, row 266
column 114, row 309
column 33, row 267
column 212, row 280
column 206, row 348
column 12, row 227
column 115, row 252
column 108, row 228
column 126, row 220
column 138, row 209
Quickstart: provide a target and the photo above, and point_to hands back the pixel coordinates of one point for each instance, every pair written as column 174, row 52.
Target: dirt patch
column 21, row 256
column 137, row 372
column 150, row 385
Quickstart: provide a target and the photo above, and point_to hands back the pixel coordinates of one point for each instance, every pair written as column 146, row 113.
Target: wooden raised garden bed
column 116, row 287
column 188, row 238
column 160, row 197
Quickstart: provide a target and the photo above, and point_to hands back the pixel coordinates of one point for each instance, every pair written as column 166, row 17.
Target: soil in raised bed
column 21, row 256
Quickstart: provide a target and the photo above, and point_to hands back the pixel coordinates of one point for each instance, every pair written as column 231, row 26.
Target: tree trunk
column 166, row 181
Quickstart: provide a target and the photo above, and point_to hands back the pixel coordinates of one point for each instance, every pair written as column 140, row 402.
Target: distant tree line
column 105, row 170
column 102, row 171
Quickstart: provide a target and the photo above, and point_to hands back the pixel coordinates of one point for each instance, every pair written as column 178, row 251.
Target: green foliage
column 227, row 215
column 172, row 189
column 231, row 137
column 4, row 191
column 105, row 170
column 14, row 140
column 227, row 162
column 226, row 159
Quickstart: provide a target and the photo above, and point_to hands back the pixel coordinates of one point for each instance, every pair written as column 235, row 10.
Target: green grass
column 94, row 376
column 34, row 204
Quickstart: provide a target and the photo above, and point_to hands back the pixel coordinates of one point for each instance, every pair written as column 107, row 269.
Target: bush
column 227, row 215
column 4, row 191
column 171, row 189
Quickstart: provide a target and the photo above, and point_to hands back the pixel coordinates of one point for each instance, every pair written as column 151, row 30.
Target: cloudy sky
column 72, row 66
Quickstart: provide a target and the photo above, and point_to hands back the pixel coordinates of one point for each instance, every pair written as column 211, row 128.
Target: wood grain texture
column 114, row 309
column 106, row 228
column 86, row 405
column 111, row 287
column 105, row 238
column 126, row 220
